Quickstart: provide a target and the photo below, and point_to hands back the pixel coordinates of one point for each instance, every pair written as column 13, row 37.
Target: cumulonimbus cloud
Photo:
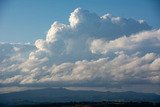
column 89, row 51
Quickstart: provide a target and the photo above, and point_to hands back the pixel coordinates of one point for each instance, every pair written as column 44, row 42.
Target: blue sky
column 27, row 20
column 86, row 47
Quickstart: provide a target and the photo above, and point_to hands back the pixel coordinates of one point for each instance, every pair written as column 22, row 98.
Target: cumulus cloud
column 119, row 71
column 12, row 54
column 11, row 49
column 106, row 51
column 73, row 40
column 122, row 69
column 137, row 42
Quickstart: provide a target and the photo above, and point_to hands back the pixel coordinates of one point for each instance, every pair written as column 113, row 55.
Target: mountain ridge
column 65, row 95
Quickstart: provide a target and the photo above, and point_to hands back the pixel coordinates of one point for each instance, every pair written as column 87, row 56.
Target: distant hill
column 53, row 95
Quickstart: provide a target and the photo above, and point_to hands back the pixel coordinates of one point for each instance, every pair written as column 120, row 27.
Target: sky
column 80, row 44
column 31, row 19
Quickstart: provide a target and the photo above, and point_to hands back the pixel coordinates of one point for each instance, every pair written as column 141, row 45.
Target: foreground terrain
column 87, row 104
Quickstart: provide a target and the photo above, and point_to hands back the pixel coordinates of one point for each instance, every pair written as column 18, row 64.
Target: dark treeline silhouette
column 88, row 104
